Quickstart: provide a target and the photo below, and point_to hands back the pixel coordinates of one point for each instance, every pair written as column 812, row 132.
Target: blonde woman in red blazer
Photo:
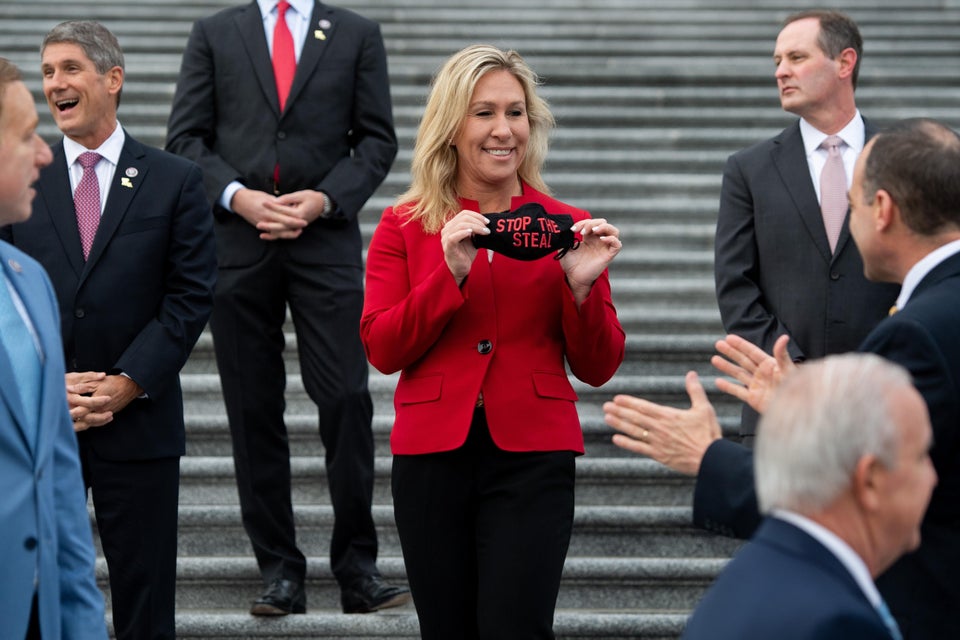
column 486, row 427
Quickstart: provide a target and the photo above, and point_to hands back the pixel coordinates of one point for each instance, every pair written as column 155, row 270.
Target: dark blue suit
column 785, row 585
column 922, row 588
column 137, row 306
column 45, row 535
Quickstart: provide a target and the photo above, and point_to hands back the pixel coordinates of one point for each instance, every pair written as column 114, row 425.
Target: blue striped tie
column 888, row 620
column 18, row 342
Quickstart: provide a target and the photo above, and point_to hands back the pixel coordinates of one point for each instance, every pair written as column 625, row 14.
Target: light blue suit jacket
column 45, row 538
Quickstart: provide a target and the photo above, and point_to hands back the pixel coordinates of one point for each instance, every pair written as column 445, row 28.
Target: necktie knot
column 88, row 159
column 282, row 7
column 831, row 144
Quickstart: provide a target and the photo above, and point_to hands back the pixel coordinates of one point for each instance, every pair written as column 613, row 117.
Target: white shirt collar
column 110, row 149
column 302, row 7
column 920, row 270
column 840, row 549
column 853, row 135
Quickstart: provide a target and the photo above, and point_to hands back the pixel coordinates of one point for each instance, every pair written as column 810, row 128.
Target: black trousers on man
column 247, row 323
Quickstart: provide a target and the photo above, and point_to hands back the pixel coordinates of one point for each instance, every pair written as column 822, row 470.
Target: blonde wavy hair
column 432, row 197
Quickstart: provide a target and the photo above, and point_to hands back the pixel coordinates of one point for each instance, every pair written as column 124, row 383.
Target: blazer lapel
column 130, row 173
column 320, row 33
column 53, row 187
column 250, row 24
column 8, row 388
column 791, row 162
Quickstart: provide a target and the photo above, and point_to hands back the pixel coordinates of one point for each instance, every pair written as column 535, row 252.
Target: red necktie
column 86, row 200
column 833, row 190
column 284, row 57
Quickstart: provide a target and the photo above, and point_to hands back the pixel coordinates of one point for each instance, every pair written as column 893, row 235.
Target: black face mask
column 529, row 233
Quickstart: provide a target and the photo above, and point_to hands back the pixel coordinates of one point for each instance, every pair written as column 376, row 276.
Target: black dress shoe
column 372, row 594
column 280, row 598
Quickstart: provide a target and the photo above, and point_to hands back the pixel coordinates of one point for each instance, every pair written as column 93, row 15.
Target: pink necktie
column 833, row 190
column 86, row 200
column 284, row 57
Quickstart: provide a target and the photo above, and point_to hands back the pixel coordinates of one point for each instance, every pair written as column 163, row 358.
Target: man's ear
column 114, row 80
column 867, row 484
column 885, row 212
column 847, row 61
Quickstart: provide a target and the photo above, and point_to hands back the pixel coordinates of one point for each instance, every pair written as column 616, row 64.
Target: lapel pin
column 131, row 172
column 319, row 34
column 125, row 182
column 325, row 24
column 15, row 265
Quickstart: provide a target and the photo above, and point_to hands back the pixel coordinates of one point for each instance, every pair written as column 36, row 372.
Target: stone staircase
column 650, row 97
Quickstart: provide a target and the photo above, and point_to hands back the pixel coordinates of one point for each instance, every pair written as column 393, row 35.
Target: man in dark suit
column 286, row 107
column 779, row 269
column 47, row 588
column 834, row 522
column 905, row 219
column 135, row 290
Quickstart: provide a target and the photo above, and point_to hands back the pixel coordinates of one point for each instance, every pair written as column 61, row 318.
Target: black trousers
column 247, row 323
column 484, row 534
column 136, row 510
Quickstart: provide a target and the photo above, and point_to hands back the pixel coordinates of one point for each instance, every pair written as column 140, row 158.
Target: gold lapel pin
column 319, row 34
column 125, row 182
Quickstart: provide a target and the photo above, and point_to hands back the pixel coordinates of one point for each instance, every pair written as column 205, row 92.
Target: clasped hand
column 278, row 217
column 94, row 397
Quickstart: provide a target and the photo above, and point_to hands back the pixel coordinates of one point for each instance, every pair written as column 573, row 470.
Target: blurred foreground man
column 47, row 587
column 844, row 476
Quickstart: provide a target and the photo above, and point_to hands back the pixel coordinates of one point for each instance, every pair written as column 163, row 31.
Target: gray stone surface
column 651, row 97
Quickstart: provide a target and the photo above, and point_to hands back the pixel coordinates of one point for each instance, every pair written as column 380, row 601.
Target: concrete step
column 215, row 530
column 664, row 585
column 402, row 625
column 601, row 481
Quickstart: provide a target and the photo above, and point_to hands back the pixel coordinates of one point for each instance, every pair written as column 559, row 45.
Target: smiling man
column 785, row 263
column 126, row 235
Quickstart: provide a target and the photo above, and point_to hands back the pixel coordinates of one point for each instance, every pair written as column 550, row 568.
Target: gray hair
column 96, row 41
column 820, row 423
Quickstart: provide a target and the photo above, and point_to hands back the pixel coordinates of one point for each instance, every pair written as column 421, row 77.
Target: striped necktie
column 18, row 342
column 888, row 620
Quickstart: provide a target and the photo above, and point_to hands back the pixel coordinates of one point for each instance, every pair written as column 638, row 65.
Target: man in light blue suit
column 47, row 586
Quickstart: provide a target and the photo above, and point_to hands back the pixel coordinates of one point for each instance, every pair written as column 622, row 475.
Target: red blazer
column 505, row 333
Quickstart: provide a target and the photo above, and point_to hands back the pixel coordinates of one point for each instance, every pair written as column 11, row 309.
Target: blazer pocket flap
column 136, row 225
column 421, row 389
column 554, row 385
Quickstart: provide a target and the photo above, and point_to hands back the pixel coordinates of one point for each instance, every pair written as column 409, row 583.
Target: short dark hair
column 96, row 41
column 917, row 161
column 837, row 32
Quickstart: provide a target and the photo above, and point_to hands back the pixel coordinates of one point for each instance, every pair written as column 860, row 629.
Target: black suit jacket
column 774, row 271
column 335, row 134
column 922, row 588
column 785, row 585
column 140, row 301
